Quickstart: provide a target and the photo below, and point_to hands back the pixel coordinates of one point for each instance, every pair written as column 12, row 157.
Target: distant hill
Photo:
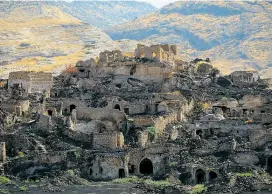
column 104, row 14
column 236, row 35
column 40, row 36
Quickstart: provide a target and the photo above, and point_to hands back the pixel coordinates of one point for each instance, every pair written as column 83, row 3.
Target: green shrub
column 198, row 189
column 23, row 188
column 21, row 154
column 160, row 184
column 152, row 131
column 70, row 172
column 4, row 180
column 245, row 174
column 4, row 191
column 132, row 179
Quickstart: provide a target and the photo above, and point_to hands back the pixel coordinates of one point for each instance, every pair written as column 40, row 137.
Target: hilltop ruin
column 151, row 115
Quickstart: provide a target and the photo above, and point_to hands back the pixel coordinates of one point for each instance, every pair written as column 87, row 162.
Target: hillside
column 39, row 36
column 235, row 35
column 104, row 14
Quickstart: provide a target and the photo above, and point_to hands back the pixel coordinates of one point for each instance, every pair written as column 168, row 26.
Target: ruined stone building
column 160, row 53
column 31, row 81
column 244, row 77
column 142, row 116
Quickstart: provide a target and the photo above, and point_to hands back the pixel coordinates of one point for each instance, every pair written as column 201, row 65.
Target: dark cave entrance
column 212, row 175
column 269, row 165
column 117, row 106
column 131, row 168
column 199, row 133
column 72, row 107
column 146, row 167
column 50, row 112
column 126, row 110
column 200, row 176
column 122, row 173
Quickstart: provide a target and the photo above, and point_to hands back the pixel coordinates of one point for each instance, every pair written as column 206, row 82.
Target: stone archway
column 212, row 175
column 200, row 176
column 146, row 166
column 117, row 106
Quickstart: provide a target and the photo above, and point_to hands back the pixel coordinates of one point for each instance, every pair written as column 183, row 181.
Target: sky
column 159, row 3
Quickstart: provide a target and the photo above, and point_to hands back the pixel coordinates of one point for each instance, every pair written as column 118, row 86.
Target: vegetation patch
column 70, row 172
column 198, row 189
column 134, row 179
column 245, row 174
column 4, row 191
column 4, row 180
column 23, row 188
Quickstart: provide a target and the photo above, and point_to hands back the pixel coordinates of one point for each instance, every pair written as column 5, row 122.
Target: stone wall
column 3, row 154
column 40, row 81
column 106, row 166
column 160, row 53
column 45, row 123
column 244, row 77
column 105, row 140
column 31, row 81
column 101, row 114
column 110, row 56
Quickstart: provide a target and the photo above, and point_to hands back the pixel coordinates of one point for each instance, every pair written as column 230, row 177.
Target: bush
column 4, row 191
column 134, row 179
column 4, row 180
column 70, row 172
column 23, row 188
column 21, row 154
column 245, row 174
column 198, row 189
column 161, row 183
column 152, row 131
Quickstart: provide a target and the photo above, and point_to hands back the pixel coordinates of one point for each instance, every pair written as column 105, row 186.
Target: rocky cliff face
column 104, row 14
column 235, row 35
column 40, row 36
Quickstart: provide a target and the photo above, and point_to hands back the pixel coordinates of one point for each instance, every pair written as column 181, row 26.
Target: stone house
column 244, row 77
column 32, row 82
column 160, row 53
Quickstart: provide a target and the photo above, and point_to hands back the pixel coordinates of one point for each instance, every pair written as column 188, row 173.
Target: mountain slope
column 235, row 35
column 103, row 14
column 39, row 36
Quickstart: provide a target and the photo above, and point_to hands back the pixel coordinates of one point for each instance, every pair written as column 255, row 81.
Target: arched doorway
column 269, row 165
column 212, row 175
column 146, row 167
column 200, row 176
column 50, row 112
column 117, row 106
column 199, row 133
column 122, row 173
column 72, row 107
column 132, row 70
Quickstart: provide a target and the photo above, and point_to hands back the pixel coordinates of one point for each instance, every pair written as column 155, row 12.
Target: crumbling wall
column 31, row 81
column 45, row 123
column 108, row 166
column 40, row 81
column 244, row 77
column 100, row 114
column 105, row 140
column 110, row 56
